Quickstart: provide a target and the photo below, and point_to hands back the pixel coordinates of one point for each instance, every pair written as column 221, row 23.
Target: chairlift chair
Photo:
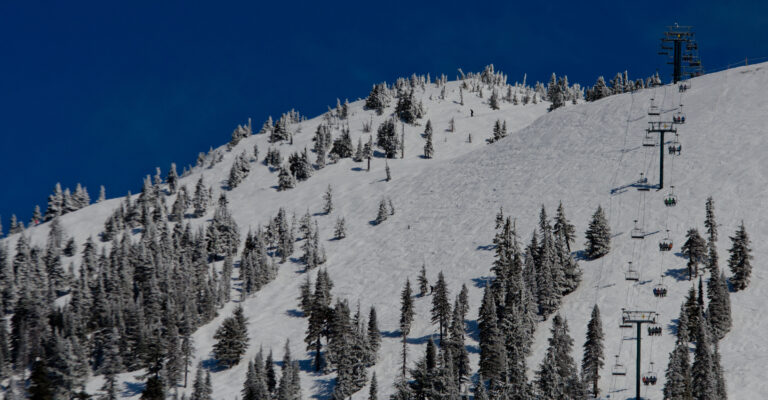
column 653, row 110
column 649, row 378
column 660, row 290
column 654, row 330
column 675, row 147
column 666, row 243
column 618, row 368
column 637, row 232
column 679, row 117
column 670, row 200
column 649, row 140
column 631, row 274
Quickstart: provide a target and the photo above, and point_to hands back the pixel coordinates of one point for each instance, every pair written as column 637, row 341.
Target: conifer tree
column 441, row 307
column 328, row 201
column 386, row 138
column 200, row 201
column 563, row 228
column 717, row 370
column 593, row 359
column 232, row 339
column 387, row 171
column 739, row 262
column 695, row 248
column 285, row 180
column 719, row 308
column 598, row 235
column 340, row 229
column 709, row 221
column 494, row 100
column 429, row 150
column 556, row 377
column 492, row 352
column 704, row 384
column 383, row 213
column 373, row 389
column 423, row 282
column 406, row 318
column 172, row 179
column 678, row 375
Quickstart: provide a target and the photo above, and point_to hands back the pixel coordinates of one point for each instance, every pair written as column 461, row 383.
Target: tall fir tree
column 598, row 235
column 406, row 318
column 231, row 339
column 594, row 356
column 739, row 261
column 441, row 306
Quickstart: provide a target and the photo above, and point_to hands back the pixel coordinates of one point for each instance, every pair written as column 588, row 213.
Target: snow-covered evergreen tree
column 328, row 201
column 423, row 282
column 239, row 171
column 594, row 356
column 231, row 339
column 441, row 306
column 695, row 248
column 598, row 235
column 719, row 308
column 386, row 138
column 739, row 261
column 383, row 212
column 406, row 319
column 340, row 229
column 285, row 180
column 678, row 375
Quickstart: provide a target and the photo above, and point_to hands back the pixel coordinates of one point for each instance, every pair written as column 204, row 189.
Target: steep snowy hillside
column 584, row 155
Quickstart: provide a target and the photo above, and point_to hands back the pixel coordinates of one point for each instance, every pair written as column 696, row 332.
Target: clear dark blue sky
column 101, row 93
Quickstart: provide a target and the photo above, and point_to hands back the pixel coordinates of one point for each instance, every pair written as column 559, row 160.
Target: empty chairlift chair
column 637, row 232
column 642, row 183
column 631, row 274
column 618, row 368
column 653, row 110
column 670, row 200
column 649, row 140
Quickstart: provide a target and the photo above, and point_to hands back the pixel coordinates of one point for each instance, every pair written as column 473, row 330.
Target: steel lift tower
column 685, row 52
column 638, row 318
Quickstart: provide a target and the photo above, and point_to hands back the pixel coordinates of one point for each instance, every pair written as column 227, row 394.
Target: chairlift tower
column 638, row 318
column 685, row 52
column 661, row 128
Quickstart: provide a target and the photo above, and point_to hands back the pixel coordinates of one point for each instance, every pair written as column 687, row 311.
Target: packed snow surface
column 584, row 155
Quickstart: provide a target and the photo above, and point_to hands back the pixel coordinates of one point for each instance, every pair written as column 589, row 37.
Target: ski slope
column 445, row 207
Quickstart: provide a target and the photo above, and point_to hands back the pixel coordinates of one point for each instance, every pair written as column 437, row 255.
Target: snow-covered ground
column 445, row 209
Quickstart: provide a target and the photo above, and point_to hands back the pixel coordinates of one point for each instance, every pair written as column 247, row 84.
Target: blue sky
column 102, row 92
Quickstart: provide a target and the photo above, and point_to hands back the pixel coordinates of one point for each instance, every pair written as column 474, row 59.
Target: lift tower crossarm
column 661, row 127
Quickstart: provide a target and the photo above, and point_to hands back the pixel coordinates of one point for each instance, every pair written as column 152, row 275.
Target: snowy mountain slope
column 445, row 209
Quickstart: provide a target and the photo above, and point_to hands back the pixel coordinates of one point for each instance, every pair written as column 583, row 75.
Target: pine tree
column 717, row 370
column 40, row 385
column 406, row 318
column 492, row 352
column 593, row 359
column 556, row 377
column 719, row 309
column 285, row 180
column 232, row 339
column 678, row 376
column 387, row 171
column 429, row 150
column 200, row 389
column 704, row 384
column 441, row 306
column 328, row 201
column 200, row 201
column 494, row 100
column 172, row 179
column 239, row 171
column 423, row 282
column 386, row 138
column 563, row 228
column 340, row 230
column 695, row 248
column 373, row 333
column 709, row 221
column 383, row 213
column 598, row 235
column 373, row 391
column 739, row 262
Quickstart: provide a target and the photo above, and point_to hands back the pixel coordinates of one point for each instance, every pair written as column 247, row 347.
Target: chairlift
column 643, row 178
column 618, row 369
column 679, row 117
column 631, row 274
column 654, row 330
column 671, row 199
column 666, row 243
column 649, row 140
column 660, row 290
column 675, row 147
column 637, row 232
column 649, row 378
column 653, row 109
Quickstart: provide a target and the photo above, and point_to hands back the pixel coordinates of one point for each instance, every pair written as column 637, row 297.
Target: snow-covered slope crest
column 584, row 155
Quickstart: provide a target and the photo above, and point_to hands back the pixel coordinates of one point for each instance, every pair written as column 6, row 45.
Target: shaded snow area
column 584, row 155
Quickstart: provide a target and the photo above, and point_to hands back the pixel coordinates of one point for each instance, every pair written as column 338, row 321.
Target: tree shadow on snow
column 673, row 326
column 133, row 388
column 580, row 255
column 482, row 281
column 391, row 334
column 487, row 247
column 323, row 388
column 473, row 330
column 358, row 169
column 424, row 339
column 212, row 365
column 680, row 274
column 294, row 313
